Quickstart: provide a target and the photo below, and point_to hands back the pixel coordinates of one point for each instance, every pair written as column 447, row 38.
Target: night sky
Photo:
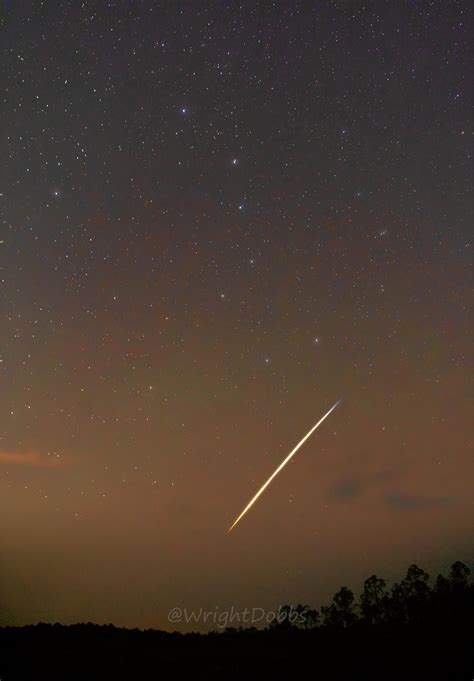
column 217, row 218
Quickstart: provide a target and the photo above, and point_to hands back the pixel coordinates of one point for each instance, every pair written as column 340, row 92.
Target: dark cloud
column 346, row 490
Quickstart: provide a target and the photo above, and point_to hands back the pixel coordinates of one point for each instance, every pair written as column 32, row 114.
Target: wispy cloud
column 28, row 459
column 412, row 501
column 353, row 486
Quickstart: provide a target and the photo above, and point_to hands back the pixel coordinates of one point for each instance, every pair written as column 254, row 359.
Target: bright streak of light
column 283, row 463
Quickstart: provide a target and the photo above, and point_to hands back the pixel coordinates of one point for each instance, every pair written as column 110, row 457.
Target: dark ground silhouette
column 410, row 632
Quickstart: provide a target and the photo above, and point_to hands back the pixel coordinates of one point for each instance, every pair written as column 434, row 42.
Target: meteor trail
column 283, row 463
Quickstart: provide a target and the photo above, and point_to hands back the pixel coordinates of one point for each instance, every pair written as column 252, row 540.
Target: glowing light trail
column 283, row 463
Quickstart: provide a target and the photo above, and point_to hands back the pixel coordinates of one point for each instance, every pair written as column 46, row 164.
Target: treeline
column 413, row 631
column 411, row 601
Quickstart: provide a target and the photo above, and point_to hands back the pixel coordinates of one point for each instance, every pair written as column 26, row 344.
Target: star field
column 215, row 219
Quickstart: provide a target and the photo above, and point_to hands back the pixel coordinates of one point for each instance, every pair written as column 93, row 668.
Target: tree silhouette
column 308, row 618
column 442, row 586
column 341, row 612
column 373, row 601
column 459, row 575
column 453, row 596
column 300, row 617
column 412, row 632
column 411, row 596
column 283, row 620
